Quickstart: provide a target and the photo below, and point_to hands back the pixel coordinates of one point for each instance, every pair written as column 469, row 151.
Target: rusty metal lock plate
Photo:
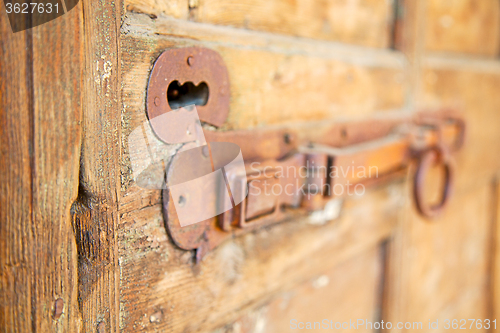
column 185, row 76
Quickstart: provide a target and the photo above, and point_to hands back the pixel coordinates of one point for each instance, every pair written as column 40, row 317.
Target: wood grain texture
column 446, row 263
column 333, row 295
column 347, row 292
column 242, row 273
column 16, row 261
column 495, row 263
column 474, row 92
column 95, row 213
column 39, row 264
column 367, row 23
column 409, row 40
column 57, row 58
column 436, row 271
column 359, row 22
column 175, row 8
column 395, row 290
column 463, row 26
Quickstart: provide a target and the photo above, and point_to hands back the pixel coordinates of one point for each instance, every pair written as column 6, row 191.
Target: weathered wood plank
column 471, row 304
column 143, row 25
column 95, row 213
column 39, row 264
column 367, row 23
column 460, row 62
column 447, row 261
column 175, row 8
column 408, row 39
column 346, row 293
column 176, row 295
column 495, row 268
column 463, row 26
column 57, row 58
column 16, row 258
column 474, row 92
column 394, row 292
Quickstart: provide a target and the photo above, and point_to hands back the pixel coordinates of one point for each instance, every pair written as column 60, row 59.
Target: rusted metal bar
column 314, row 183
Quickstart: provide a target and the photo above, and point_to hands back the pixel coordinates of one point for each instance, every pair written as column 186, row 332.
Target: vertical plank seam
column 491, row 288
column 32, row 156
column 118, row 19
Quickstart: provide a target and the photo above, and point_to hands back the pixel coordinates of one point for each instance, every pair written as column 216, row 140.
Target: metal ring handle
column 429, row 158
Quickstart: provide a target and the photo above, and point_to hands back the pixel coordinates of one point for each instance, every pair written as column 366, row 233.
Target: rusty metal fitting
column 428, row 158
column 179, row 76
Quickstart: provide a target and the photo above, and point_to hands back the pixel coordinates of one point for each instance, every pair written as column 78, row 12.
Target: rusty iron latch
column 297, row 169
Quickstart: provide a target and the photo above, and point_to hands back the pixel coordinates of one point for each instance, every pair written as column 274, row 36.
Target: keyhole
column 187, row 94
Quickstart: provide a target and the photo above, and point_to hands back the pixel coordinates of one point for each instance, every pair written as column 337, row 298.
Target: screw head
column 157, row 101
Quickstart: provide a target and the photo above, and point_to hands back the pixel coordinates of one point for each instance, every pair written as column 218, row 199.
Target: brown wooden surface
column 473, row 90
column 15, row 205
column 40, row 107
column 366, row 23
column 95, row 212
column 240, row 274
column 495, row 262
column 463, row 26
column 447, row 263
column 334, row 295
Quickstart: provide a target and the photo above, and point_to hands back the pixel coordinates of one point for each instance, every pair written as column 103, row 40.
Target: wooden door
column 85, row 249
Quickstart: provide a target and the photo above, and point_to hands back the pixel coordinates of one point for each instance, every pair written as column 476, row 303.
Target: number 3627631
column 33, row 7
column 462, row 324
